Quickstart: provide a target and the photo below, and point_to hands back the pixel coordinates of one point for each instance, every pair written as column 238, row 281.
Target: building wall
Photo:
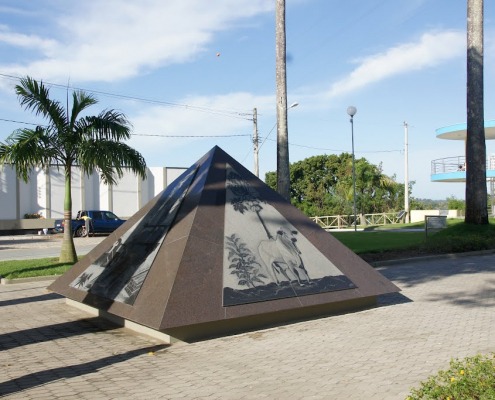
column 419, row 215
column 8, row 194
column 44, row 192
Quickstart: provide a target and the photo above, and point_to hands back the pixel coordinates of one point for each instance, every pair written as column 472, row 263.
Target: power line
column 334, row 150
column 209, row 110
column 20, row 122
column 187, row 136
column 226, row 136
column 144, row 134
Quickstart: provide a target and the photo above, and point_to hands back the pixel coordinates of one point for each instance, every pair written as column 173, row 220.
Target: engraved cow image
column 281, row 256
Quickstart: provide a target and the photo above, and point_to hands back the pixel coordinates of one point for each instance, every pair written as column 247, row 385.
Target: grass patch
column 379, row 241
column 31, row 268
column 458, row 237
column 462, row 237
column 470, row 378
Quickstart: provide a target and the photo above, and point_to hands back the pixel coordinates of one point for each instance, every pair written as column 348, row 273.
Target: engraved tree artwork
column 246, row 199
column 243, row 263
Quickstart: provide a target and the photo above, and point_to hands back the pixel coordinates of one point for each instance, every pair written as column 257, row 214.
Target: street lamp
column 351, row 110
column 406, row 173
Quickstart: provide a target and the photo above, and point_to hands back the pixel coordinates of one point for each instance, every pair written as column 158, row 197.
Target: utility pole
column 406, row 174
column 283, row 171
column 256, row 143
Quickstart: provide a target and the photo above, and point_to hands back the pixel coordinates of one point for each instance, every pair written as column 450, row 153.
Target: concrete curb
column 6, row 281
column 432, row 257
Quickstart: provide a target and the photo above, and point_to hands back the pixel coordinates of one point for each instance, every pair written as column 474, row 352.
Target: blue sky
column 182, row 68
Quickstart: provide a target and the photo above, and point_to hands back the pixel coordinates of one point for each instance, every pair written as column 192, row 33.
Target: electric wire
column 226, row 113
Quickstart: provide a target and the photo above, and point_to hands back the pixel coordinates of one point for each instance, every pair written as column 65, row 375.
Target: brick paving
column 49, row 350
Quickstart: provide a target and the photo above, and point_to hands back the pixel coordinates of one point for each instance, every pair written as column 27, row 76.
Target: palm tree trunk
column 283, row 171
column 476, row 190
column 68, row 251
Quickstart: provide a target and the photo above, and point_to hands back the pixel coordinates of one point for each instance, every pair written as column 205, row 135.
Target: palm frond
column 109, row 124
column 110, row 158
column 27, row 149
column 80, row 101
column 35, row 96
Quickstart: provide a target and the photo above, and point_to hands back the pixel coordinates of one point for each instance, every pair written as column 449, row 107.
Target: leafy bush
column 470, row 378
column 33, row 216
column 455, row 204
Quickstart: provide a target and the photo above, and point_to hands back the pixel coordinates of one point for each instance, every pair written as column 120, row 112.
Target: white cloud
column 432, row 49
column 212, row 115
column 116, row 39
column 27, row 41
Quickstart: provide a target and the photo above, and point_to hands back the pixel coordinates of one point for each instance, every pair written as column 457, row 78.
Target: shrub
column 33, row 216
column 470, row 378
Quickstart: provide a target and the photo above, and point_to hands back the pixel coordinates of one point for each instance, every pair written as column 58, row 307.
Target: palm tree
column 283, row 166
column 91, row 142
column 476, row 197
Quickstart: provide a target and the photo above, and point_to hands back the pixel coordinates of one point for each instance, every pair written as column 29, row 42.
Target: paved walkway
column 49, row 350
column 23, row 247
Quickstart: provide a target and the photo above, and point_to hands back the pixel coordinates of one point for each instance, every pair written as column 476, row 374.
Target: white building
column 44, row 193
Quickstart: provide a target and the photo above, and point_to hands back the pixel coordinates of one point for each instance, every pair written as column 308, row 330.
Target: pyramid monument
column 219, row 252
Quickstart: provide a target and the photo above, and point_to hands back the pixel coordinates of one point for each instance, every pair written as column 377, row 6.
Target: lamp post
column 351, row 110
column 406, row 173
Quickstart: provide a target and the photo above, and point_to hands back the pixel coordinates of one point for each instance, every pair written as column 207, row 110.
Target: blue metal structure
column 453, row 169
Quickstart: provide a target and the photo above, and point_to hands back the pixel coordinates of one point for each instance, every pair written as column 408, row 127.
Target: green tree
column 455, row 204
column 322, row 185
column 476, row 198
column 91, row 142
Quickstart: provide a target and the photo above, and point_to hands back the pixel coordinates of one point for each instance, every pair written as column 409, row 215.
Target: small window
column 110, row 215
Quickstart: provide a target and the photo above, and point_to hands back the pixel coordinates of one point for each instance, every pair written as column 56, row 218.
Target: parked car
column 98, row 221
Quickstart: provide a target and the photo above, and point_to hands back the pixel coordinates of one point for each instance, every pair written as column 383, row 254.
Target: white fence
column 347, row 221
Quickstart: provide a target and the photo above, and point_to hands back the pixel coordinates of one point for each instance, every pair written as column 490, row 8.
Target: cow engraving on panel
column 283, row 259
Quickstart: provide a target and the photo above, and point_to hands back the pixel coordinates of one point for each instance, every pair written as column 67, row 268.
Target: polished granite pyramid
column 219, row 252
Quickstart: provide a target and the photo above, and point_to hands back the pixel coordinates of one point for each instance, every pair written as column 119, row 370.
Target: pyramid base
column 137, row 328
column 204, row 331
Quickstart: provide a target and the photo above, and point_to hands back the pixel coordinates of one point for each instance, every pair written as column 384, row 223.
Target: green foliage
column 427, row 204
column 33, row 216
column 271, row 179
column 470, row 378
column 455, row 204
column 323, row 185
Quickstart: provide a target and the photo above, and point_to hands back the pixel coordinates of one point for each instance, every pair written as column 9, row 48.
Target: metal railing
column 455, row 164
column 347, row 221
column 448, row 164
